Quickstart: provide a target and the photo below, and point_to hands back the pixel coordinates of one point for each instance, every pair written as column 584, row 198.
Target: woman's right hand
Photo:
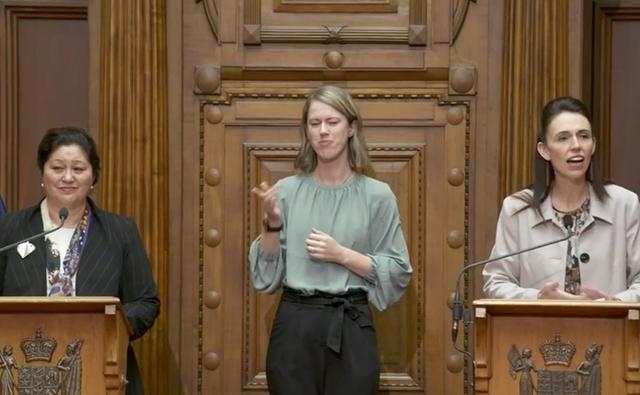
column 552, row 290
column 269, row 196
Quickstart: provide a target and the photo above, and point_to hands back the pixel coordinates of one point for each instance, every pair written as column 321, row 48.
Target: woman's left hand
column 594, row 294
column 321, row 246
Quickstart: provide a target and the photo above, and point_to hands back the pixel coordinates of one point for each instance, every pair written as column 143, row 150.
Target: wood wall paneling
column 534, row 63
column 246, row 129
column 351, row 6
column 44, row 83
column 212, row 10
column 403, row 25
column 625, row 100
column 134, row 147
column 616, row 32
column 413, row 147
column 297, row 62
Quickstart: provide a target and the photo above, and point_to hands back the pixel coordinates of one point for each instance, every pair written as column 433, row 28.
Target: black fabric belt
column 346, row 303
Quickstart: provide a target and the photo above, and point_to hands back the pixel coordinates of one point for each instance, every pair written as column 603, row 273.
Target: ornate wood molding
column 335, row 7
column 253, row 154
column 211, row 9
column 334, row 34
column 460, row 9
column 247, row 74
column 228, row 94
column 458, row 117
column 255, row 33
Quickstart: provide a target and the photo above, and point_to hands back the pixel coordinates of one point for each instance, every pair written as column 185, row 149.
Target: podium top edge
column 59, row 299
column 555, row 302
column 57, row 304
column 556, row 308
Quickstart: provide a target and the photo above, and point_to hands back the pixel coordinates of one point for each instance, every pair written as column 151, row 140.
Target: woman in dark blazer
column 96, row 253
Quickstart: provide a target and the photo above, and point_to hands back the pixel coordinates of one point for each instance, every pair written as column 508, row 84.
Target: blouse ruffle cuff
column 267, row 256
column 372, row 276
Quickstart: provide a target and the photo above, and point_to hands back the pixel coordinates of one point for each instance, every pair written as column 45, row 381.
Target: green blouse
column 361, row 214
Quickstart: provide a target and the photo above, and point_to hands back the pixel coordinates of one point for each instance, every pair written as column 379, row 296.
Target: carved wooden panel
column 335, row 6
column 414, row 143
column 43, row 83
column 294, row 36
column 399, row 166
column 354, row 29
column 501, row 325
column 615, row 112
column 212, row 11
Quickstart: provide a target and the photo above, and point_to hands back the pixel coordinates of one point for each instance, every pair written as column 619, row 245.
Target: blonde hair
column 341, row 101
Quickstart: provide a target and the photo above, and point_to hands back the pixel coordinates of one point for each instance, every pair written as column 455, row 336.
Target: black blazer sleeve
column 138, row 291
column 18, row 276
column 115, row 263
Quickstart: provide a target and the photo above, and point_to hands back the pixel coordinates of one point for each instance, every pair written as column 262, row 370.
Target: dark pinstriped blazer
column 113, row 263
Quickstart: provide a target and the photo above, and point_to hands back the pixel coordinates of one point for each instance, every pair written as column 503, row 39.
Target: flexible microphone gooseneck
column 62, row 214
column 457, row 309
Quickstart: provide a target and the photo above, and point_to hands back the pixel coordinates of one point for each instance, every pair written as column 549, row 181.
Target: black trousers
column 323, row 345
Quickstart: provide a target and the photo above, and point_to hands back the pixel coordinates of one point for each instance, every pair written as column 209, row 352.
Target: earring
column 91, row 187
column 42, row 185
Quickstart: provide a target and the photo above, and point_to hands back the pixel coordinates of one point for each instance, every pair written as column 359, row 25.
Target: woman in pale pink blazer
column 602, row 260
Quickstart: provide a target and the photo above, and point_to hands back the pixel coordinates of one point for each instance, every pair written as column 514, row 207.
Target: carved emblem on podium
column 585, row 380
column 35, row 378
column 556, row 352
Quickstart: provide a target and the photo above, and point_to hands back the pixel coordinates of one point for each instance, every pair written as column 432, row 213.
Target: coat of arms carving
column 35, row 378
column 585, row 380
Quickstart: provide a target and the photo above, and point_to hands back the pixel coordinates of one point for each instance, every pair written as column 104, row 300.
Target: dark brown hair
column 543, row 171
column 69, row 135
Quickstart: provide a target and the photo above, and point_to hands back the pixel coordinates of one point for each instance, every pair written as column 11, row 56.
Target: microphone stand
column 459, row 312
column 63, row 214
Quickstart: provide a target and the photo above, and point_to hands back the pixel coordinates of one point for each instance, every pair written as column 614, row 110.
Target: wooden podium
column 573, row 347
column 75, row 345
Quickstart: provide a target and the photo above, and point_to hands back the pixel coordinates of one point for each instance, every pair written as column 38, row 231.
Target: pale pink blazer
column 611, row 240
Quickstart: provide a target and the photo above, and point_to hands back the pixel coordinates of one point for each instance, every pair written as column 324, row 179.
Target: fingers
column 550, row 287
column 313, row 245
column 549, row 291
column 269, row 195
column 567, row 295
column 316, row 251
column 263, row 189
column 316, row 244
column 594, row 294
column 552, row 290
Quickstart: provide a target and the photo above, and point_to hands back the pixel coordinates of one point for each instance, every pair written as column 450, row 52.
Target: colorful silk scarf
column 572, row 281
column 62, row 281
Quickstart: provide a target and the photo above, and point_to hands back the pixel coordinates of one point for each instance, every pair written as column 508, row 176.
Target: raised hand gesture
column 269, row 196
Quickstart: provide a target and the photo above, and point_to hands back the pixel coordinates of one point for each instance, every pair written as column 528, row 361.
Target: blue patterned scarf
column 62, row 281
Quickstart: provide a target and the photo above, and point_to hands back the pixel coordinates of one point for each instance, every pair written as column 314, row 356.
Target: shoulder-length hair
column 543, row 172
column 341, row 101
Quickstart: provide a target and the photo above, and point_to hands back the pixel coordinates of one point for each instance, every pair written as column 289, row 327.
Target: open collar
column 598, row 210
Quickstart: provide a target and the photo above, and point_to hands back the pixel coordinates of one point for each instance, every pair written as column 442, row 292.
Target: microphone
column 457, row 309
column 63, row 214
